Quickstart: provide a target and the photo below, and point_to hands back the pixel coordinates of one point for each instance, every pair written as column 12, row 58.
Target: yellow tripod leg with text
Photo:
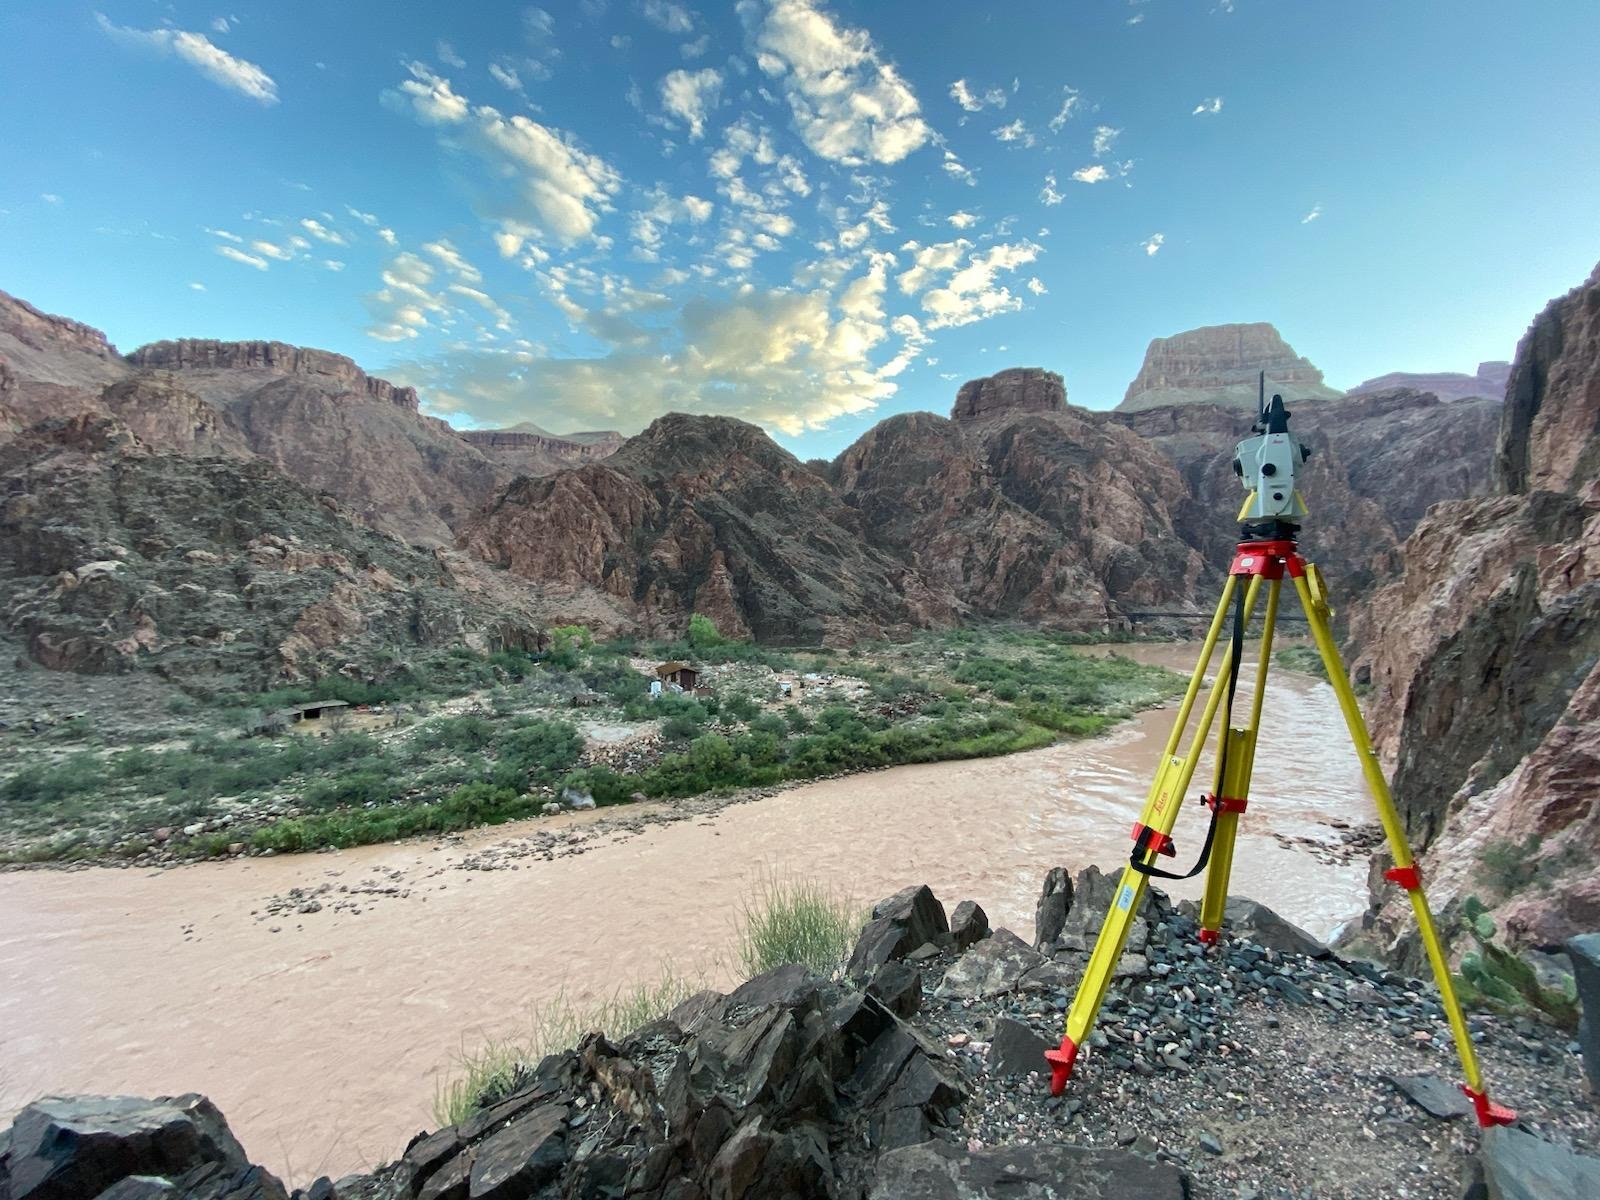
column 1313, row 599
column 1160, row 814
column 1232, row 792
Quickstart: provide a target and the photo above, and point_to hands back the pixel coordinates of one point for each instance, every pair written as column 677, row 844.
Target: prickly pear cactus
column 1495, row 978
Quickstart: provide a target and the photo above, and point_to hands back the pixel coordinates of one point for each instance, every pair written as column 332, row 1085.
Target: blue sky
column 806, row 213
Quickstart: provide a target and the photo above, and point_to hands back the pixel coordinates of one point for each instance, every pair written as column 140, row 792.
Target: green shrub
column 703, row 633
column 1303, row 657
column 540, row 749
column 1508, row 865
column 740, row 707
column 797, row 922
column 350, row 788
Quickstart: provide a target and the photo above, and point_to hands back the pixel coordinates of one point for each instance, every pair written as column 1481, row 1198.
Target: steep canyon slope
column 1484, row 655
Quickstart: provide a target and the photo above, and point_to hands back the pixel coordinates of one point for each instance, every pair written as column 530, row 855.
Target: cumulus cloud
column 447, row 254
column 973, row 291
column 972, row 102
column 1070, row 101
column 239, row 256
column 321, row 232
column 1104, row 138
column 554, row 185
column 957, row 170
column 1316, row 211
column 197, row 50
column 1015, row 132
column 1049, row 194
column 448, row 56
column 962, row 220
column 668, row 16
column 689, row 96
column 849, row 105
column 1153, row 243
column 506, row 76
column 1036, row 286
column 271, row 250
column 1100, row 172
column 787, row 360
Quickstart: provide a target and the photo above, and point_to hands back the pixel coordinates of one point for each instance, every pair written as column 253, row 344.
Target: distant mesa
column 1016, row 390
column 1219, row 364
column 1490, row 381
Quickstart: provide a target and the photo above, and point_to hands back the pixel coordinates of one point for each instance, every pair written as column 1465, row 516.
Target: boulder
column 1015, row 1049
column 522, row 1157
column 1519, row 1166
column 790, row 986
column 1050, row 914
column 66, row 1147
column 991, row 968
column 938, row 1171
column 1258, row 923
column 1584, row 951
column 898, row 987
column 906, row 920
column 968, row 924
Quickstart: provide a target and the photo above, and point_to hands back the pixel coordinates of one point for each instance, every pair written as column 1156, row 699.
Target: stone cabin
column 313, row 711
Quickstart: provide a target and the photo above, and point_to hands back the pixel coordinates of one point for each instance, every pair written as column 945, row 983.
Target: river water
column 322, row 1036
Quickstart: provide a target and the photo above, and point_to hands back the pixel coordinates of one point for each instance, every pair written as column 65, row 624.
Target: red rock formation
column 199, row 354
column 1484, row 656
column 1013, row 391
column 538, row 453
column 1218, row 364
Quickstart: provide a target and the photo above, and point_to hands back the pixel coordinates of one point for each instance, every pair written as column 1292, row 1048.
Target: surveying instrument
column 1269, row 525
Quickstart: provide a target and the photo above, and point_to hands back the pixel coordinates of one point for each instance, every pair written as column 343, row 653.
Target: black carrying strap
column 1236, row 656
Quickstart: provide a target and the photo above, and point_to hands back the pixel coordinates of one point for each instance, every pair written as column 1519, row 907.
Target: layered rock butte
column 1484, row 654
column 1219, row 364
column 1490, row 380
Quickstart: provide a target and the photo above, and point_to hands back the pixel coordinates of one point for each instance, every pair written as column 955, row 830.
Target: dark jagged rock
column 968, row 924
column 1050, row 914
column 1584, row 952
column 1014, row 1049
column 1247, row 918
column 905, row 921
column 69, row 1147
column 1519, row 1166
column 1435, row 1096
column 993, row 967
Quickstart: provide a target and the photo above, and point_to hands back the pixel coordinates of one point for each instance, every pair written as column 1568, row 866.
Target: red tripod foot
column 1061, row 1061
column 1488, row 1112
column 1208, row 937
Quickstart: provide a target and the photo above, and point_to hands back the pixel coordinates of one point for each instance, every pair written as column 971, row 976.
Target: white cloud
column 928, row 261
column 1153, row 243
column 1070, row 101
column 220, row 25
column 964, row 96
column 851, row 107
column 1316, row 211
column 333, row 264
column 196, row 49
column 690, row 95
column 954, row 167
column 366, row 218
column 224, row 234
column 1017, row 132
column 505, row 76
column 197, row 286
column 388, row 236
column 556, row 186
column 697, row 47
column 1048, row 193
column 321, row 232
column 962, row 220
column 1100, row 172
column 447, row 254
column 239, row 256
column 668, row 16
column 269, row 250
column 448, row 56
column 1212, row 104
column 50, row 197
column 973, row 293
column 1036, row 286
column 1104, row 138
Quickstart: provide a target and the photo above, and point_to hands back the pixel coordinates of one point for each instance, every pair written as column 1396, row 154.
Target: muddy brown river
column 323, row 1035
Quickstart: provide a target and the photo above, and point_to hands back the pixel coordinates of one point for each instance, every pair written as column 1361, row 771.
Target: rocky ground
column 1269, row 1069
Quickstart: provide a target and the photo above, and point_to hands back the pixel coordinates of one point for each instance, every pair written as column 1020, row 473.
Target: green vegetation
column 460, row 740
column 491, row 1072
column 1303, row 658
column 797, row 922
column 1509, row 865
column 1495, row 978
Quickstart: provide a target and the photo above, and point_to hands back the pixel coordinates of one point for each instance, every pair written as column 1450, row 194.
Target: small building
column 681, row 674
column 313, row 711
column 587, row 699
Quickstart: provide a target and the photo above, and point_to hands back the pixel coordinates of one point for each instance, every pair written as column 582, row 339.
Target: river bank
column 323, row 1033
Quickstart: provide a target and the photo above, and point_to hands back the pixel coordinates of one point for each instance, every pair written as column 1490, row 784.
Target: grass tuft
column 798, row 921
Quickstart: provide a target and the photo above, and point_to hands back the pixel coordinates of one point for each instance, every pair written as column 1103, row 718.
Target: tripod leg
column 1309, row 586
column 1233, row 793
column 1160, row 814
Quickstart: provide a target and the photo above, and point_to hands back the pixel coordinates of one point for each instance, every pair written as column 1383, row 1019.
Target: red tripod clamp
column 1487, row 1111
column 1061, row 1061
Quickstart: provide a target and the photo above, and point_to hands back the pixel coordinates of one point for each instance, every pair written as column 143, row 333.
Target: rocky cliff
column 708, row 515
column 1484, row 655
column 530, row 452
column 1219, row 364
column 1022, row 507
column 1490, row 380
column 219, row 572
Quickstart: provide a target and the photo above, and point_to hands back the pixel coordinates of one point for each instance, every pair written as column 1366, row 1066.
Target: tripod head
column 1266, row 465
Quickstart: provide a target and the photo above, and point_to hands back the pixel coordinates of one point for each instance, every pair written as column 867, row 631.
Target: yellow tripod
column 1267, row 554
